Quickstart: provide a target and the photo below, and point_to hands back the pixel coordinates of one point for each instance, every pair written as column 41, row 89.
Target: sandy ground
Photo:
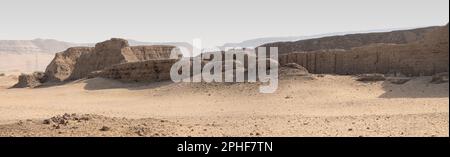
column 302, row 106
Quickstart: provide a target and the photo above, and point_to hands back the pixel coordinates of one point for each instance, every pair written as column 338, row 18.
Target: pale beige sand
column 322, row 106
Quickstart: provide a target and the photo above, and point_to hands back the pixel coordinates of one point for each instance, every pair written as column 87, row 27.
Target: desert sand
column 316, row 105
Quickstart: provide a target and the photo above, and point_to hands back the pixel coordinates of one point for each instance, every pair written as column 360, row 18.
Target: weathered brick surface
column 142, row 71
column 422, row 57
column 76, row 63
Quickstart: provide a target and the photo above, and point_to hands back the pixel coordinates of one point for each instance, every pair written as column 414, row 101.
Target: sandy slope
column 302, row 106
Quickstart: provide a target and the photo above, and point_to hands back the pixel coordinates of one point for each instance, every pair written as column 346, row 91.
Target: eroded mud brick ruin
column 415, row 52
column 113, row 59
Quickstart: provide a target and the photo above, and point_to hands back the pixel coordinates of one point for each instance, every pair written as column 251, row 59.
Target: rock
column 440, row 78
column 30, row 80
column 398, row 80
column 371, row 77
column 47, row 121
column 66, row 118
column 105, row 128
column 2, row 74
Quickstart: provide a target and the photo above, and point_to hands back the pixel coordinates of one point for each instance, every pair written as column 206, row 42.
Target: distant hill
column 186, row 45
column 53, row 46
column 36, row 45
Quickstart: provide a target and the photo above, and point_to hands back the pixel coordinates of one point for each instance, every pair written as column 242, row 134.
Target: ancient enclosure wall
column 413, row 60
column 423, row 57
column 143, row 71
column 152, row 52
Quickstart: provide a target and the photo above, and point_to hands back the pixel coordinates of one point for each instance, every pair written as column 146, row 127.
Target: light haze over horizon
column 215, row 22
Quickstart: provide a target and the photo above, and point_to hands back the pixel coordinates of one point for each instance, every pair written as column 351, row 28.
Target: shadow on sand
column 418, row 87
column 102, row 83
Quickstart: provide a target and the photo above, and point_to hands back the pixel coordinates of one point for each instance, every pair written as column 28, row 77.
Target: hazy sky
column 214, row 21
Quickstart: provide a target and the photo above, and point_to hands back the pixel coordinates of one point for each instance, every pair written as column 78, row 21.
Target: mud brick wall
column 152, row 52
column 408, row 59
column 143, row 71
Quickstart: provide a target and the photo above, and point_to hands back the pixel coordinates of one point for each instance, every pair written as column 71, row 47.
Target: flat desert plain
column 314, row 105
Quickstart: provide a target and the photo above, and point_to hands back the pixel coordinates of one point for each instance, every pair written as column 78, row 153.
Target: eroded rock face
column 80, row 62
column 30, row 80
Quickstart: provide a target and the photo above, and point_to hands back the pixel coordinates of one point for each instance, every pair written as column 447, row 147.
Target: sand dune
column 302, row 106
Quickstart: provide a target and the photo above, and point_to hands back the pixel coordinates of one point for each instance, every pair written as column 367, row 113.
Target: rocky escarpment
column 415, row 52
column 79, row 62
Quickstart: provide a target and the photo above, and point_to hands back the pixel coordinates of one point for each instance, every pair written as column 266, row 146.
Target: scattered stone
column 66, row 119
column 440, row 78
column 350, row 129
column 47, row 121
column 288, row 97
column 140, row 133
column 105, row 128
column 2, row 74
